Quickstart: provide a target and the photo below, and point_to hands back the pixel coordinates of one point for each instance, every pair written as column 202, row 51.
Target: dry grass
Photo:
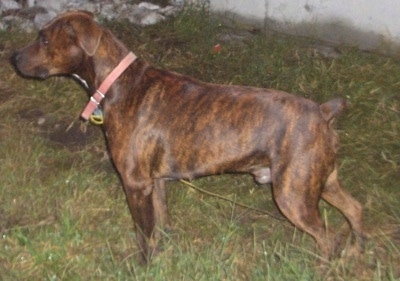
column 63, row 214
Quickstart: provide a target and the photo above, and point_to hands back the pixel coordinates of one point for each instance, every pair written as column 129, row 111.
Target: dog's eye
column 43, row 40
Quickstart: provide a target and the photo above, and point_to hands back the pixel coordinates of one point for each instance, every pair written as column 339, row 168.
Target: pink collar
column 96, row 98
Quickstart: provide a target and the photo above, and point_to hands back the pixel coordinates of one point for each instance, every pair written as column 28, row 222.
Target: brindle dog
column 161, row 125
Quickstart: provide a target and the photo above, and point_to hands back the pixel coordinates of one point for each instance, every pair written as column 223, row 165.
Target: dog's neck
column 92, row 77
column 95, row 68
column 102, row 90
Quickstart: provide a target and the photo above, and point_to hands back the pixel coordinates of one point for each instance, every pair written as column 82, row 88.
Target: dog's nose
column 15, row 57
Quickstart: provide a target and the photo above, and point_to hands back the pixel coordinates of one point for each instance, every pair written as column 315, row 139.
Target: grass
column 63, row 214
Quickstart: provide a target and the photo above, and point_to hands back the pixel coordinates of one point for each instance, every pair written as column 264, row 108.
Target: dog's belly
column 194, row 169
column 214, row 156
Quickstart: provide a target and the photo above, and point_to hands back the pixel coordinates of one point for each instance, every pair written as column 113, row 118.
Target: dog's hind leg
column 297, row 197
column 334, row 194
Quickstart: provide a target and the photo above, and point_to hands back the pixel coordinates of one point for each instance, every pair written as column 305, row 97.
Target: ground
column 63, row 214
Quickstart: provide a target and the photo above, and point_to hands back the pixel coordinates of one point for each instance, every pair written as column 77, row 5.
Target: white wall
column 254, row 9
column 368, row 24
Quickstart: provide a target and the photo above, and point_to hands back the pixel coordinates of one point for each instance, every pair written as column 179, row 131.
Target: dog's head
column 61, row 47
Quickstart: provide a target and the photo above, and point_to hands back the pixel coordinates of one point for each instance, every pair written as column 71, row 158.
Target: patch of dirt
column 31, row 114
column 73, row 135
column 3, row 220
column 5, row 93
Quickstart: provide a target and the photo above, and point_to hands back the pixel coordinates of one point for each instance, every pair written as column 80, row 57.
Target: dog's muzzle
column 24, row 66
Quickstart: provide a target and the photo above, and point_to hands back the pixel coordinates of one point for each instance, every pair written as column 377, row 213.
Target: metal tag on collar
column 97, row 117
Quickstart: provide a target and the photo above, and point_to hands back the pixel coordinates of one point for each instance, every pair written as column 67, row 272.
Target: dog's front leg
column 161, row 221
column 140, row 201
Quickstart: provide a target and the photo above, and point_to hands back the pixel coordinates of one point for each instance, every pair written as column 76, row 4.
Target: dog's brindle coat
column 162, row 125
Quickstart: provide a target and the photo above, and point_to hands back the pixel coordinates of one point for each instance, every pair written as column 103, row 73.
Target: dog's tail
column 333, row 108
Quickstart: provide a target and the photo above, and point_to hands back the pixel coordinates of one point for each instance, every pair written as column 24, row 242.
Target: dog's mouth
column 39, row 72
column 27, row 68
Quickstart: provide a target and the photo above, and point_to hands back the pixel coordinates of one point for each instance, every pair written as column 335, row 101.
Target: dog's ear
column 87, row 31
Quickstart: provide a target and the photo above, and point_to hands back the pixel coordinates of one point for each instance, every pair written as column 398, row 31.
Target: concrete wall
column 368, row 24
